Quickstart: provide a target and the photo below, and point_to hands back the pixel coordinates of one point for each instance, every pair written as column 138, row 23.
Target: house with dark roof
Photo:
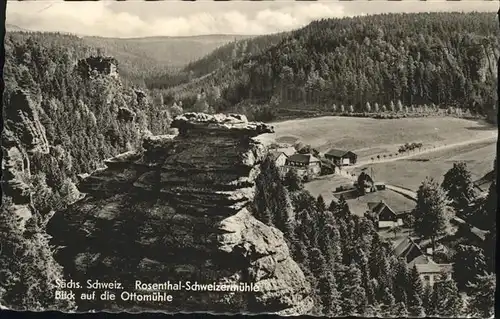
column 387, row 217
column 429, row 271
column 411, row 252
column 304, row 165
column 432, row 272
column 341, row 157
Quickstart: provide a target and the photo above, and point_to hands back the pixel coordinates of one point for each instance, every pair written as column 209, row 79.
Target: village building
column 279, row 158
column 411, row 252
column 341, row 157
column 429, row 271
column 387, row 217
column 432, row 272
column 306, row 165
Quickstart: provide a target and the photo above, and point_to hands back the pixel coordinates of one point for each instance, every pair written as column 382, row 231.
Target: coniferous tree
column 430, row 219
column 342, row 210
column 292, row 181
column 332, row 206
column 320, row 204
column 458, row 186
column 427, row 301
column 327, row 289
column 446, row 299
column 482, row 293
column 317, row 263
column 468, row 263
column 415, row 293
column 401, row 281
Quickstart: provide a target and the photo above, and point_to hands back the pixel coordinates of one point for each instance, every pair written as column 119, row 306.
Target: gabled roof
column 303, row 158
column 378, row 207
column 274, row 155
column 337, row 153
column 289, row 151
column 406, row 246
column 422, row 259
column 432, row 267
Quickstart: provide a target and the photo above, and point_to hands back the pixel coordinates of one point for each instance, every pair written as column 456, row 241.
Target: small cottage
column 431, row 272
column 387, row 217
column 341, row 157
column 304, row 164
column 411, row 252
column 279, row 158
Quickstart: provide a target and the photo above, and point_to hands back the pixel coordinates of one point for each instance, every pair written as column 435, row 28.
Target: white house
column 431, row 272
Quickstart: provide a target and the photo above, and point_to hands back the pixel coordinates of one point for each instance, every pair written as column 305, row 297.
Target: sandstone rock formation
column 22, row 119
column 23, row 134
column 177, row 210
column 15, row 175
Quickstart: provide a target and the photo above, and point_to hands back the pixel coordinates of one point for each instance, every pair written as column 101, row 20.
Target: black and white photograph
column 322, row 158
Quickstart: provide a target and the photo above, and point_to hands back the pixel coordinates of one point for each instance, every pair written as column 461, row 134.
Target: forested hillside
column 448, row 59
column 59, row 121
column 147, row 58
column 220, row 57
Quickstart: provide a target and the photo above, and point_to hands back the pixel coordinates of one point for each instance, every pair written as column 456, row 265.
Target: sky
column 137, row 18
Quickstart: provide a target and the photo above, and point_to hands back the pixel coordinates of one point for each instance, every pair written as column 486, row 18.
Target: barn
column 387, row 217
column 341, row 157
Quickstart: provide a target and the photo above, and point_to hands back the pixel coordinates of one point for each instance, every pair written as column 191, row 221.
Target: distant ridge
column 183, row 37
column 12, row 27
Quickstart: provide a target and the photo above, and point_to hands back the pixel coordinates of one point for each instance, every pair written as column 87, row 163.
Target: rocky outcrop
column 23, row 135
column 22, row 119
column 100, row 64
column 15, row 176
column 178, row 210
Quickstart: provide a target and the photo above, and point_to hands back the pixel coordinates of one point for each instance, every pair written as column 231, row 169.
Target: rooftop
column 337, row 153
column 275, row 154
column 378, row 207
column 406, row 246
column 433, row 267
column 303, row 158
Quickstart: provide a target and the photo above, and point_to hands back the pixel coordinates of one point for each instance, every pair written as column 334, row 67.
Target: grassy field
column 396, row 201
column 358, row 206
column 326, row 185
column 411, row 172
column 369, row 137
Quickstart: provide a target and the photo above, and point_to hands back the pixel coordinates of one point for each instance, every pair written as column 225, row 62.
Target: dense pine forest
column 446, row 59
column 354, row 271
column 65, row 118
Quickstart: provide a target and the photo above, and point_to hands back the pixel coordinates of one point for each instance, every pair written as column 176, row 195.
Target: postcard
column 250, row 157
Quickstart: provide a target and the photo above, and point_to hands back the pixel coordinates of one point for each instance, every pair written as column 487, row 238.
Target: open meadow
column 326, row 185
column 410, row 172
column 370, row 137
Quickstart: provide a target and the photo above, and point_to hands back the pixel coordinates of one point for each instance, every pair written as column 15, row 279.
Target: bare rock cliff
column 177, row 210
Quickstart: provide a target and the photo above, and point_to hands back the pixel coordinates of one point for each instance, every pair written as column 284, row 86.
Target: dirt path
column 403, row 191
column 493, row 137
